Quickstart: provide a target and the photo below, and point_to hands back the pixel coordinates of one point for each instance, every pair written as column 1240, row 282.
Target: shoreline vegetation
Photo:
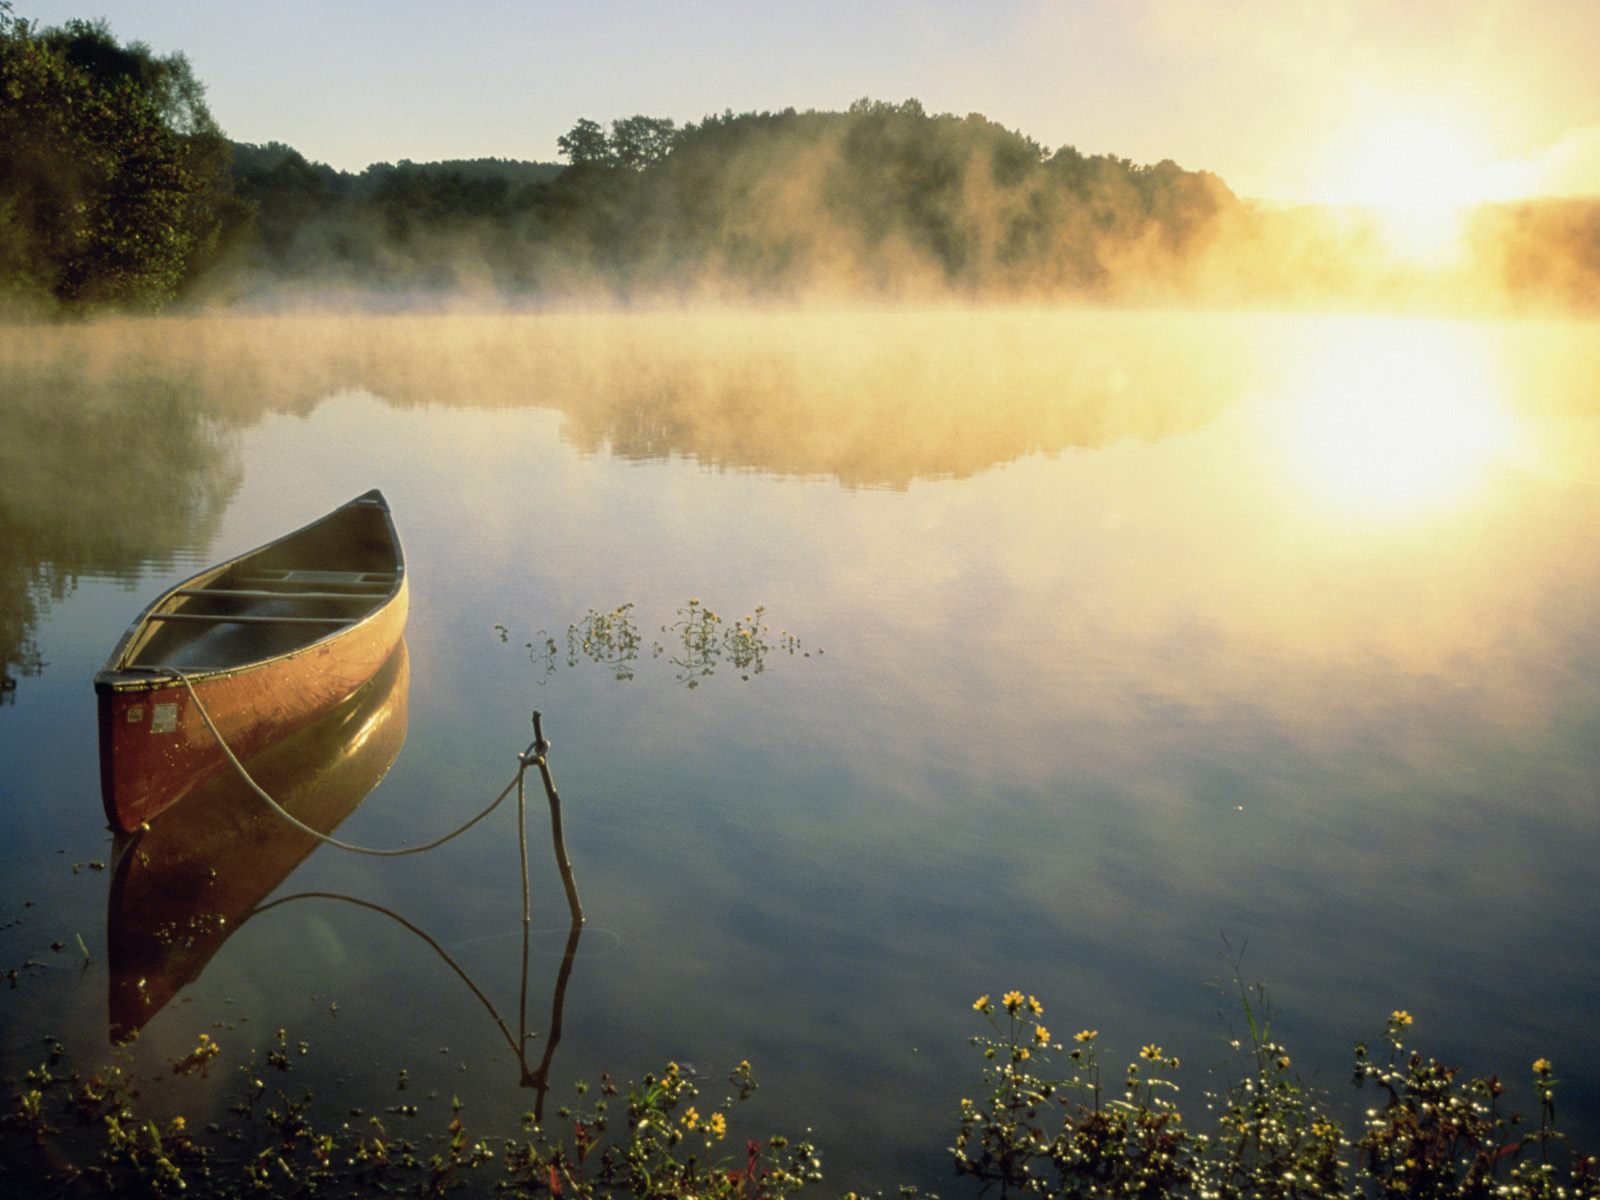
column 1047, row 1118
column 118, row 191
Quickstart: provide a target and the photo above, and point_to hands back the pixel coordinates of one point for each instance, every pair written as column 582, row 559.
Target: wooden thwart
column 328, row 578
column 249, row 619
column 253, row 594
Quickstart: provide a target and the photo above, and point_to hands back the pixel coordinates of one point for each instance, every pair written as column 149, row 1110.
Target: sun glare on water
column 1397, row 418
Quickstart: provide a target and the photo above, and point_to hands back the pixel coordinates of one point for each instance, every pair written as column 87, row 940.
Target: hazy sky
column 1283, row 98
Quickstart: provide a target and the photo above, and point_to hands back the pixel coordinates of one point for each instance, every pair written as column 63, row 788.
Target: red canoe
column 269, row 640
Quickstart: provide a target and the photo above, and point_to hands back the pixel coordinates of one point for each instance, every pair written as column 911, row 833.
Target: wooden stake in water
column 536, row 755
column 540, row 749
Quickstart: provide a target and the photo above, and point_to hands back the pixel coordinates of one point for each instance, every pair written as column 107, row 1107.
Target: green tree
column 585, row 144
column 114, row 183
column 639, row 142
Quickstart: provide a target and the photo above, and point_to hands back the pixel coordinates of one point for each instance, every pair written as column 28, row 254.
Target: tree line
column 118, row 189
column 882, row 198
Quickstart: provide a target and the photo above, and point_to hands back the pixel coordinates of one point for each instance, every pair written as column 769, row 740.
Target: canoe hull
column 155, row 747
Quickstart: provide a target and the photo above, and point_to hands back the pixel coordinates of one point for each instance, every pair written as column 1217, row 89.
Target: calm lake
column 1096, row 644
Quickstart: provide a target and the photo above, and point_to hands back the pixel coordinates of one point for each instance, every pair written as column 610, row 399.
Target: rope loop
column 238, row 766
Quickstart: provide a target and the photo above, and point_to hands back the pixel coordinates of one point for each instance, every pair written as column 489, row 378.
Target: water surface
column 1115, row 636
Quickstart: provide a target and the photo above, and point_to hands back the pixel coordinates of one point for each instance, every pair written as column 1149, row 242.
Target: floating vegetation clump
column 701, row 641
column 698, row 642
column 609, row 639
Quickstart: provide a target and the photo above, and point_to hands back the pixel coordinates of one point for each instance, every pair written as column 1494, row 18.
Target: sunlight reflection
column 1397, row 418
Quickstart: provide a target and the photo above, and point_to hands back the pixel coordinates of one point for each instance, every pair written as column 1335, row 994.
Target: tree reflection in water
column 98, row 478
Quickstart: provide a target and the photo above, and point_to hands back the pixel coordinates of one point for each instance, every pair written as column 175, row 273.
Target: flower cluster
column 1032, row 1132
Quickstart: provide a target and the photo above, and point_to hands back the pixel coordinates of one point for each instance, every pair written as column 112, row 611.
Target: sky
column 1291, row 100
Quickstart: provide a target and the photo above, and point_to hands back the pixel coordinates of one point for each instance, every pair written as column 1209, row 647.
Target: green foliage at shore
column 114, row 185
column 1084, row 1130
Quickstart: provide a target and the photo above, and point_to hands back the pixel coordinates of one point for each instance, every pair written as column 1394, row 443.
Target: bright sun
column 1417, row 172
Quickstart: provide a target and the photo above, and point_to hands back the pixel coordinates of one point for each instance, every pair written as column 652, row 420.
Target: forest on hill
column 118, row 189
column 883, row 199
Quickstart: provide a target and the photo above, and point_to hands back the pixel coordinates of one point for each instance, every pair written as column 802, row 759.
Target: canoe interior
column 277, row 599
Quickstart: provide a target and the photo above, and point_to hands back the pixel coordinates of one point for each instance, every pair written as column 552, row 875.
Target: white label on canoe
column 164, row 719
column 135, row 713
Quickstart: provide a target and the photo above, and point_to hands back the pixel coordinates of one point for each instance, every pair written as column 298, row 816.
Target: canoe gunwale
column 118, row 676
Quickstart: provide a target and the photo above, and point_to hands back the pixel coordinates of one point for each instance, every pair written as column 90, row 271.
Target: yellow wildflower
column 718, row 1125
column 1542, row 1066
column 1152, row 1052
column 1023, row 1054
column 981, row 1003
column 1035, row 1007
column 1283, row 1061
column 1086, row 1035
column 1012, row 1001
column 691, row 1118
column 1041, row 1034
column 672, row 1069
column 1400, row 1018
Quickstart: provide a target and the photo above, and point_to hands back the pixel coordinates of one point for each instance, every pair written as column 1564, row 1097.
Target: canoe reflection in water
column 182, row 886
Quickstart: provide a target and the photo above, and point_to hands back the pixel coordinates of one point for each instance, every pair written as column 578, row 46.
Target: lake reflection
column 1398, row 419
column 1141, row 630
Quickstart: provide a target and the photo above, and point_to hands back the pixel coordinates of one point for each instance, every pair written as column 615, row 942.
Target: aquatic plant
column 699, row 641
column 94, row 1133
column 1033, row 1132
column 1030, row 1129
column 610, row 639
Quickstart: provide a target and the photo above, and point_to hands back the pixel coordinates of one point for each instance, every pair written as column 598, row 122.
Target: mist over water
column 1140, row 629
column 879, row 204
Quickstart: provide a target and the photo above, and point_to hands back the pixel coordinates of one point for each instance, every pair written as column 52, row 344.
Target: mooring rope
column 533, row 755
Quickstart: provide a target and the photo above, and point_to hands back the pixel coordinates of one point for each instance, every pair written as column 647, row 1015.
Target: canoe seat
column 372, row 582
